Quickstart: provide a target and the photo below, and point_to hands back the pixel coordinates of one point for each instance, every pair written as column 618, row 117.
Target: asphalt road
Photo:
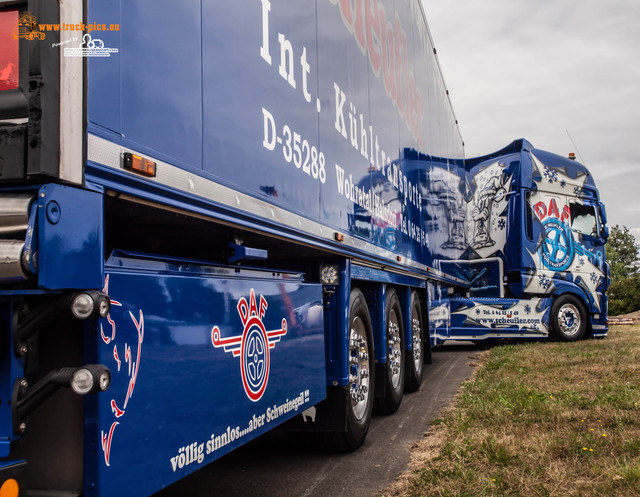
column 275, row 466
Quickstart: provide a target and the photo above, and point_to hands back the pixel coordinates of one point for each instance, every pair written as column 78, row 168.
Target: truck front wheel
column 568, row 319
column 361, row 376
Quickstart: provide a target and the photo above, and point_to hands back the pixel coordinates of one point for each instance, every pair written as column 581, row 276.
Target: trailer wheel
column 361, row 376
column 394, row 370
column 416, row 358
column 568, row 318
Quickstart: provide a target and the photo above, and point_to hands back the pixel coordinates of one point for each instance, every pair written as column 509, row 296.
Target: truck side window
column 529, row 217
column 583, row 219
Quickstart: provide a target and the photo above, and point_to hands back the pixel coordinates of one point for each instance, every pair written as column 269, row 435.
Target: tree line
column 623, row 255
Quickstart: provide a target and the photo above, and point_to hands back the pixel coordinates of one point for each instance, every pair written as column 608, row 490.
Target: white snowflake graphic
column 550, row 174
column 544, row 281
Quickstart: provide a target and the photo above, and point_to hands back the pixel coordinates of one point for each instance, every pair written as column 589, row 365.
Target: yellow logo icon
column 28, row 28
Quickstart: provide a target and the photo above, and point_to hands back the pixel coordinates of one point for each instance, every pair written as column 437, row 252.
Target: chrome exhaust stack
column 14, row 212
column 14, row 223
column 11, row 260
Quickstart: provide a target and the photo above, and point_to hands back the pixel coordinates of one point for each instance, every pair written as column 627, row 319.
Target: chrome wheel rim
column 416, row 344
column 394, row 348
column 569, row 319
column 358, row 368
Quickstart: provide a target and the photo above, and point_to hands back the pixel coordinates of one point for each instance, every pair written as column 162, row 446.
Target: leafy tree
column 624, row 296
column 623, row 254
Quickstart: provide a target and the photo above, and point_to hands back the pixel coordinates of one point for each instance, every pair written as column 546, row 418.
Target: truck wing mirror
column 603, row 214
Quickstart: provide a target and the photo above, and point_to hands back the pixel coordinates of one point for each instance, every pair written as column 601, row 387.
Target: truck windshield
column 9, row 54
column 583, row 219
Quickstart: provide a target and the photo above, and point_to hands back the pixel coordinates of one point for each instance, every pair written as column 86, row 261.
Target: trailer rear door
column 41, row 93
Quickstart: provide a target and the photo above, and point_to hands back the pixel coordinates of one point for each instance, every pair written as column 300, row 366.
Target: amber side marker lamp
column 138, row 164
column 10, row 488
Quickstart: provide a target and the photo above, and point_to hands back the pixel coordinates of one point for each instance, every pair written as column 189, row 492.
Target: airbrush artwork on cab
column 521, row 226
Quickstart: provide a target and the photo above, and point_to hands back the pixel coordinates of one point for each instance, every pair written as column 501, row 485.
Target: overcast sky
column 536, row 69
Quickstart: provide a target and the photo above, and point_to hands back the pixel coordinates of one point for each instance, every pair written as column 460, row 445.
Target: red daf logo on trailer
column 252, row 346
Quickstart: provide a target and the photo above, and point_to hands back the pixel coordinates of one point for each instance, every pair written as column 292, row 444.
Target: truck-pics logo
column 89, row 47
column 252, row 345
column 28, row 28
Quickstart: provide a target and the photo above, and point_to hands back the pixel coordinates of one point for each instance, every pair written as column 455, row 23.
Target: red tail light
column 9, row 53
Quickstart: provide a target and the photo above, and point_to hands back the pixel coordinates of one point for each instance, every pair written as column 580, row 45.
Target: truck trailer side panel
column 306, row 106
column 203, row 359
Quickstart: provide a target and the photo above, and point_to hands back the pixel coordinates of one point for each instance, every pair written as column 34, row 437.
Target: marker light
column 90, row 304
column 139, row 164
column 82, row 306
column 91, row 378
column 104, row 380
column 10, row 488
column 329, row 275
column 103, row 307
column 82, row 381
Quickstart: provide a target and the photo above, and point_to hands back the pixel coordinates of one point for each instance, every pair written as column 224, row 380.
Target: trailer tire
column 568, row 318
column 428, row 358
column 394, row 369
column 361, row 376
column 415, row 359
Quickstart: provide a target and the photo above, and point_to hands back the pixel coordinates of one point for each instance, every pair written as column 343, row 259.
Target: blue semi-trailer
column 216, row 218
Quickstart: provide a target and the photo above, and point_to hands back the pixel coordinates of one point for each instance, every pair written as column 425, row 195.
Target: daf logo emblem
column 252, row 346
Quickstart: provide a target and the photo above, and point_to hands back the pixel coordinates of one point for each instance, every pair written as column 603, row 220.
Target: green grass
column 541, row 419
